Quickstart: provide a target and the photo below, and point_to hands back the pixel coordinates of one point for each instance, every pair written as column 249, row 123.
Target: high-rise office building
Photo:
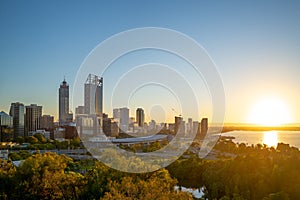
column 89, row 117
column 110, row 128
column 140, row 117
column 6, row 127
column 93, row 95
column 178, row 123
column 63, row 102
column 47, row 122
column 32, row 118
column 121, row 115
column 189, row 126
column 5, row 119
column 116, row 113
column 204, row 126
column 17, row 112
column 196, row 128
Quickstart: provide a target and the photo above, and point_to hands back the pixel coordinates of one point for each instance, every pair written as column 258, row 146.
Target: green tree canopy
column 45, row 176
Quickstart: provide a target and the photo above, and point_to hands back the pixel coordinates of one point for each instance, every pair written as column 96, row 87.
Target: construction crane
column 175, row 112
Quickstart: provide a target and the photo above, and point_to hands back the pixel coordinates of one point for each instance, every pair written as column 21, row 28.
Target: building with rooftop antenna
column 63, row 102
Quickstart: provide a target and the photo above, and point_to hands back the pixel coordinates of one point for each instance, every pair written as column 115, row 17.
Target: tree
column 96, row 181
column 14, row 156
column 32, row 140
column 159, row 185
column 20, row 140
column 44, row 176
column 7, row 181
column 41, row 138
column 75, row 143
column 188, row 172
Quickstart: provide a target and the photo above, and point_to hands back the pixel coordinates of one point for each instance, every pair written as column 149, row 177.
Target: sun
column 270, row 111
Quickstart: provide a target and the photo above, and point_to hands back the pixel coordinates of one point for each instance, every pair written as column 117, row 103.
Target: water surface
column 270, row 138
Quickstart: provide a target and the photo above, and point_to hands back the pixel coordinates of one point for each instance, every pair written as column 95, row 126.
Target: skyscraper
column 196, row 128
column 190, row 125
column 110, row 128
column 93, row 95
column 47, row 122
column 32, row 118
column 178, row 123
column 204, row 127
column 63, row 102
column 116, row 113
column 121, row 115
column 140, row 117
column 5, row 119
column 6, row 127
column 17, row 112
column 89, row 117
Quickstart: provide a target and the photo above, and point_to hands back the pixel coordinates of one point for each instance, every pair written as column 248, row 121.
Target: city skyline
column 132, row 112
column 173, row 99
column 255, row 46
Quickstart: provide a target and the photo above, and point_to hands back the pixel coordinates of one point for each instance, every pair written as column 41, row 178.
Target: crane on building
column 176, row 112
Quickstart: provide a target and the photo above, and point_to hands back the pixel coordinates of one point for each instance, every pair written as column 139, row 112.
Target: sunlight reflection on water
column 270, row 138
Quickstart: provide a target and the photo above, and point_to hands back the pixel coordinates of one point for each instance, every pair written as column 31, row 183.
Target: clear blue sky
column 255, row 45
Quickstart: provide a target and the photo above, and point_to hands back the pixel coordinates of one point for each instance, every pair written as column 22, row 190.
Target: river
column 270, row 138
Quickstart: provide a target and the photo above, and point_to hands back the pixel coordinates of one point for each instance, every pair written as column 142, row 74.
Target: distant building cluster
column 90, row 120
column 24, row 121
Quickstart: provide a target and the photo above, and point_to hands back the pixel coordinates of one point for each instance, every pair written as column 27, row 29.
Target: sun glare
column 270, row 138
column 270, row 112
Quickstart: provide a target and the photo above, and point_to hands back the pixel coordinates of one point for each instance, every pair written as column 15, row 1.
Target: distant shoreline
column 258, row 128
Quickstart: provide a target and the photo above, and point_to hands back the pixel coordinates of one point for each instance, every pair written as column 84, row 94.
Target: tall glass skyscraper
column 63, row 102
column 32, row 118
column 89, row 117
column 93, row 95
column 140, row 117
column 17, row 112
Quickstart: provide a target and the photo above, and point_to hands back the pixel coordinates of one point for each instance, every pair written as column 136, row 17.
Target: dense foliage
column 237, row 172
column 39, row 142
column 52, row 176
column 257, row 172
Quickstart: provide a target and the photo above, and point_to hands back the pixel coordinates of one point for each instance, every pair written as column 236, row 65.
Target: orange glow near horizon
column 270, row 111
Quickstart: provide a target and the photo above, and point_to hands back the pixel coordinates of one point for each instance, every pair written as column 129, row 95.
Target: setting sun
column 270, row 112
